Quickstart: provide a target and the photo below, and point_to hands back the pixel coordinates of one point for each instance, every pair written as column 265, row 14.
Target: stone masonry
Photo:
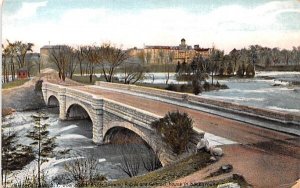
column 107, row 114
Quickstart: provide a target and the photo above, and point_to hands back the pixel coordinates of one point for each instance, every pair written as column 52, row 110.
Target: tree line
column 14, row 57
column 109, row 59
column 105, row 57
column 241, row 62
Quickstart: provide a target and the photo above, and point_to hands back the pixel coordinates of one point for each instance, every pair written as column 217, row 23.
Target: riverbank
column 166, row 176
column 279, row 68
column 26, row 96
column 21, row 99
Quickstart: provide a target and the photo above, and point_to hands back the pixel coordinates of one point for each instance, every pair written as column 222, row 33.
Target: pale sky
column 226, row 23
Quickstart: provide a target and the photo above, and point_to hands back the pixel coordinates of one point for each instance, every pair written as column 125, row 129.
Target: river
column 74, row 135
column 269, row 90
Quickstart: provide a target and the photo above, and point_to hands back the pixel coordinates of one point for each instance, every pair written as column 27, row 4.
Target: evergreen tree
column 14, row 155
column 8, row 141
column 42, row 142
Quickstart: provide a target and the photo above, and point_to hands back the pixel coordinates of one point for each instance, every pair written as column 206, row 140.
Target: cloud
column 27, row 10
column 227, row 26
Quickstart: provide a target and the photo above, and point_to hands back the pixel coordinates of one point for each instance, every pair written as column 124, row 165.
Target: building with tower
column 170, row 54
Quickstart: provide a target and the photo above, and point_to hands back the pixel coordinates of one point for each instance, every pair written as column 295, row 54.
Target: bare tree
column 21, row 50
column 235, row 55
column 170, row 58
column 296, row 55
column 10, row 53
column 80, row 57
column 130, row 160
column 275, row 54
column 150, row 160
column 72, row 64
column 95, row 57
column 84, row 171
column 285, row 56
column 5, row 70
column 113, row 57
column 133, row 72
column 63, row 57
column 216, row 57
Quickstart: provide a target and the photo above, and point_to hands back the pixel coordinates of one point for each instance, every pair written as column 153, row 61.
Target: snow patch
column 68, row 128
column 283, row 109
column 72, row 136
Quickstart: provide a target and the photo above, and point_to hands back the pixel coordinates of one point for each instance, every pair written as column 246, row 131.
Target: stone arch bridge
column 106, row 115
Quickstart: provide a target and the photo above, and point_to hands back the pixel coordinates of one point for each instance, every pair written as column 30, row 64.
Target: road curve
column 266, row 158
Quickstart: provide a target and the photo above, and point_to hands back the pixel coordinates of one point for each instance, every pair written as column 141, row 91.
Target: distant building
column 45, row 53
column 172, row 54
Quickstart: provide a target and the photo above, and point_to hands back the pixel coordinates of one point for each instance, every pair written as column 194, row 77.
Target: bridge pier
column 97, row 119
column 62, row 104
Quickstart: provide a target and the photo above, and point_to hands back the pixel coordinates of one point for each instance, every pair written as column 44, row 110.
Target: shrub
column 218, row 84
column 250, row 70
column 206, row 86
column 184, row 88
column 38, row 86
column 31, row 181
column 84, row 171
column 196, row 86
column 224, row 86
column 176, row 130
column 172, row 87
column 197, row 89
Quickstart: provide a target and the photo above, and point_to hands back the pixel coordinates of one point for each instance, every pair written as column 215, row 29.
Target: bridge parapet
column 129, row 113
column 267, row 114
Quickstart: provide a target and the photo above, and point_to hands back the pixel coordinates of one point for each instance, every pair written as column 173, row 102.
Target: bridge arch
column 77, row 110
column 146, row 135
column 117, row 129
column 52, row 101
column 117, row 124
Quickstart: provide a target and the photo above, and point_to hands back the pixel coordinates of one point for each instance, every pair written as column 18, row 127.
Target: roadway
column 266, row 158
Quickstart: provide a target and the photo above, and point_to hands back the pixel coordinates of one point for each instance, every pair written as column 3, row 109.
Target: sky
column 226, row 24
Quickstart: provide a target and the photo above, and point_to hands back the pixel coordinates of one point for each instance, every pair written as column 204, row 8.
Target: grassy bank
column 14, row 83
column 279, row 68
column 185, row 88
column 166, row 174
column 86, row 79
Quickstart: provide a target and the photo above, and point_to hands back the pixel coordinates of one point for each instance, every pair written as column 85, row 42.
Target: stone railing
column 212, row 103
column 141, row 89
column 80, row 95
column 51, row 87
column 131, row 114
